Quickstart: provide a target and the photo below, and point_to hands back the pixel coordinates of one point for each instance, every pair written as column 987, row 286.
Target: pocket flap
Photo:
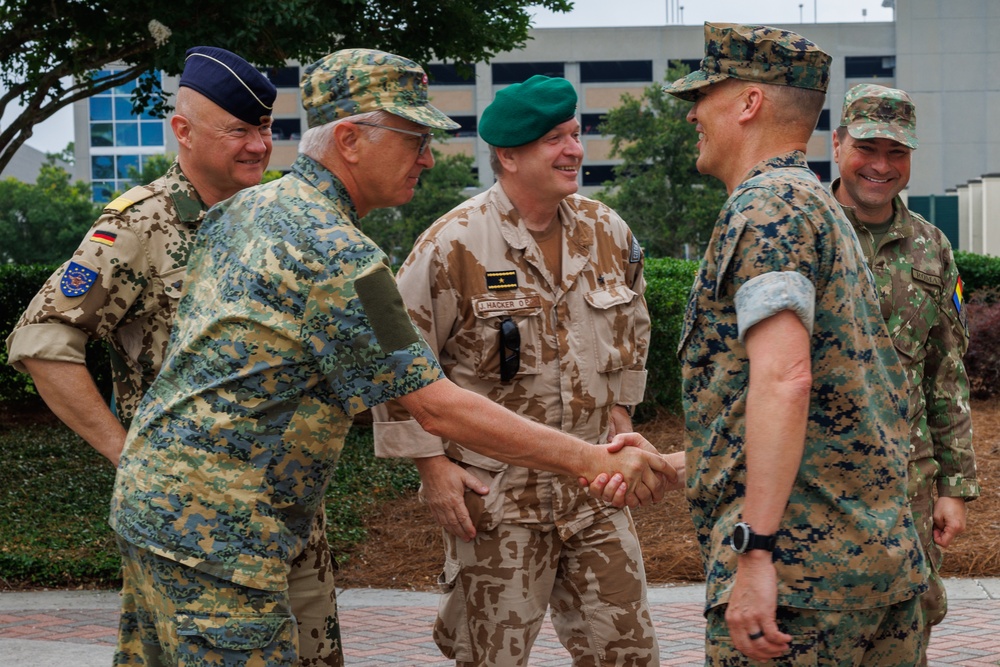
column 233, row 632
column 609, row 298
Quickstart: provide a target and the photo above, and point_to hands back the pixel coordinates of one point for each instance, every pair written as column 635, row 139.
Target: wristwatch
column 630, row 409
column 744, row 539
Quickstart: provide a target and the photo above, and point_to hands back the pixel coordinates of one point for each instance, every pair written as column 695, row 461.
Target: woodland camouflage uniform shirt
column 122, row 285
column 847, row 539
column 290, row 326
column 584, row 339
column 921, row 297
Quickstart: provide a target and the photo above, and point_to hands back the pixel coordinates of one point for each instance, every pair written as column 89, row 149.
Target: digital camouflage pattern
column 920, row 295
column 584, row 341
column 139, row 249
column 353, row 81
column 847, row 539
column 173, row 615
column 856, row 638
column 276, row 347
column 872, row 111
column 755, row 53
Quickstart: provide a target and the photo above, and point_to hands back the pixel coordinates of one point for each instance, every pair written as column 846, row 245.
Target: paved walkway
column 77, row 628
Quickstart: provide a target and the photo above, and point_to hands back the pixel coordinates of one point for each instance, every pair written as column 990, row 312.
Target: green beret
column 523, row 112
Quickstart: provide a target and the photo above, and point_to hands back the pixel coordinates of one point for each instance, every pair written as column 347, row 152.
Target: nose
column 692, row 116
column 426, row 159
column 258, row 141
column 574, row 147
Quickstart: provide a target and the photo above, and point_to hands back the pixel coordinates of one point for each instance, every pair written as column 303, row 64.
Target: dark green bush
column 978, row 272
column 18, row 285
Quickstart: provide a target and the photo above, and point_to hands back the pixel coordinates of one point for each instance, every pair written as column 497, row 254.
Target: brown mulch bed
column 404, row 547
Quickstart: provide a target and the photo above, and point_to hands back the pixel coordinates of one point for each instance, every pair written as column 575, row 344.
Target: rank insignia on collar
column 77, row 280
column 500, row 280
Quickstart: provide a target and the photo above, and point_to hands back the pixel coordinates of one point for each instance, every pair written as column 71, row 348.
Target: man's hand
column 949, row 519
column 612, row 488
column 619, row 422
column 650, row 488
column 444, row 485
column 752, row 610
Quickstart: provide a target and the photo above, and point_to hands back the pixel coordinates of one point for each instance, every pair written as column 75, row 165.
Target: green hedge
column 668, row 283
column 978, row 272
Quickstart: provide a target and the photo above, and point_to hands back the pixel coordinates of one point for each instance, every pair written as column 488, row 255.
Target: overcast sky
column 53, row 135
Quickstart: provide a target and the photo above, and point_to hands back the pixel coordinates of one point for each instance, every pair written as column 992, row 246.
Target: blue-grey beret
column 523, row 112
column 229, row 81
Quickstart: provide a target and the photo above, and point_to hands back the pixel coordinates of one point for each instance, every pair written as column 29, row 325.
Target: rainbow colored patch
column 107, row 238
column 957, row 298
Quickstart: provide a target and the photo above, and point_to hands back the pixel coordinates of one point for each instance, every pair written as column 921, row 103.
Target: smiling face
column 872, row 173
column 713, row 115
column 548, row 167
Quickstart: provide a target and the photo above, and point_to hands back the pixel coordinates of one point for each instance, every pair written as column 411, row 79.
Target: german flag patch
column 104, row 238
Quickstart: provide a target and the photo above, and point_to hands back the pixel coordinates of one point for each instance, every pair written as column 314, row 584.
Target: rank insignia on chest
column 104, row 238
column 501, row 280
column 77, row 280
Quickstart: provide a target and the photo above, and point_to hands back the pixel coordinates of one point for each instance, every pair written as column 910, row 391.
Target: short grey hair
column 316, row 140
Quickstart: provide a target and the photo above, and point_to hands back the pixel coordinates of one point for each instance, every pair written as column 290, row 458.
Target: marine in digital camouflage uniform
column 798, row 433
column 565, row 272
column 289, row 326
column 124, row 282
column 920, row 292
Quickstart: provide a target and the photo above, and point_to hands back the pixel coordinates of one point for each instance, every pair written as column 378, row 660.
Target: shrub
column 978, row 272
column 982, row 361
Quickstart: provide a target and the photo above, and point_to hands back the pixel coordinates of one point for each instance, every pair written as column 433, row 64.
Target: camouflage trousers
column 921, row 478
column 882, row 637
column 497, row 588
column 311, row 597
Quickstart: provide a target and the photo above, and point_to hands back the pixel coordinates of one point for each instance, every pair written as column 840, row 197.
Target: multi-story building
column 941, row 51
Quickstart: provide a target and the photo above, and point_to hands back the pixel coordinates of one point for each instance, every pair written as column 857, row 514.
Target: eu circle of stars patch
column 77, row 280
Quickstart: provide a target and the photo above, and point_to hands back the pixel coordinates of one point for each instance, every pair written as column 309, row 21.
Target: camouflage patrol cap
column 523, row 112
column 877, row 112
column 353, row 81
column 229, row 81
column 755, row 53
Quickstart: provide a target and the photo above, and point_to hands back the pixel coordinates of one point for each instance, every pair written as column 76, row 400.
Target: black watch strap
column 744, row 539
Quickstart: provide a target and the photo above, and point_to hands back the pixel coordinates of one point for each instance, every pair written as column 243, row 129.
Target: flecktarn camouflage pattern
column 872, row 111
column 847, row 540
column 755, row 53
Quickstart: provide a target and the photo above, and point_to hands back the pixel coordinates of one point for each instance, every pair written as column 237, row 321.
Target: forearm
column 69, row 391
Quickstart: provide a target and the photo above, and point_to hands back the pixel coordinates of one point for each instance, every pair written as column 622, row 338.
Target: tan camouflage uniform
column 541, row 540
column 847, row 541
column 287, row 329
column 919, row 291
column 138, row 250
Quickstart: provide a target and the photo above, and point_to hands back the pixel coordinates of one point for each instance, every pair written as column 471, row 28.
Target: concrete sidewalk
column 385, row 627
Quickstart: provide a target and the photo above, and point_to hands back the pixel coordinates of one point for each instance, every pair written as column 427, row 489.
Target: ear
column 751, row 101
column 347, row 139
column 181, row 127
column 836, row 146
column 506, row 157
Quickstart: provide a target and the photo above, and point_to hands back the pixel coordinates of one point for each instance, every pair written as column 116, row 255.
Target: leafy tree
column 44, row 222
column 439, row 191
column 51, row 49
column 657, row 188
column 153, row 166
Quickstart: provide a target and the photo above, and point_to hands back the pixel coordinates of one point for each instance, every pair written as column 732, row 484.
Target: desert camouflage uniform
column 584, row 339
column 919, row 289
column 847, row 540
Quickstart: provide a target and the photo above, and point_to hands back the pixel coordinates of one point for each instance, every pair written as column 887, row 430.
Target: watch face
column 741, row 537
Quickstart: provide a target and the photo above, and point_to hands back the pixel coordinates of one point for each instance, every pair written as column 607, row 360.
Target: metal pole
column 815, row 15
column 800, row 12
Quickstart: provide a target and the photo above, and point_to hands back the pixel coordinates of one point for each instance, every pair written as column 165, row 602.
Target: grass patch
column 56, row 491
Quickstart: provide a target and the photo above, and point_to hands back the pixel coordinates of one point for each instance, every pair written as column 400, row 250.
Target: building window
column 448, row 75
column 283, row 77
column 823, row 124
column 691, row 63
column 821, row 168
column 597, row 174
column 468, row 126
column 119, row 138
column 870, row 67
column 615, row 71
column 589, row 122
column 507, row 73
column 286, row 129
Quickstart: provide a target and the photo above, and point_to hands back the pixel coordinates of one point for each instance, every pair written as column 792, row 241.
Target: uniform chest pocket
column 613, row 316
column 173, row 283
column 908, row 300
column 525, row 312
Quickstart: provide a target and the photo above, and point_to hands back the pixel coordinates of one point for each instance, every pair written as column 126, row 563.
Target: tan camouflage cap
column 755, row 53
column 872, row 111
column 353, row 81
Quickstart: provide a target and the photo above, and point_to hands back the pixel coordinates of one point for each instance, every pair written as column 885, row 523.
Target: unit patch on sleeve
column 959, row 300
column 106, row 238
column 636, row 254
column 77, row 280
column 501, row 280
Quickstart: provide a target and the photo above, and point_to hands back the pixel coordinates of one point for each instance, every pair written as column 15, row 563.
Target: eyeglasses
column 425, row 137
column 510, row 349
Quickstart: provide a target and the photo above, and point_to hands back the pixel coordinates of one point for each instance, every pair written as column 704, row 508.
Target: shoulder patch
column 500, row 280
column 959, row 300
column 636, row 253
column 104, row 238
column 132, row 196
column 77, row 280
